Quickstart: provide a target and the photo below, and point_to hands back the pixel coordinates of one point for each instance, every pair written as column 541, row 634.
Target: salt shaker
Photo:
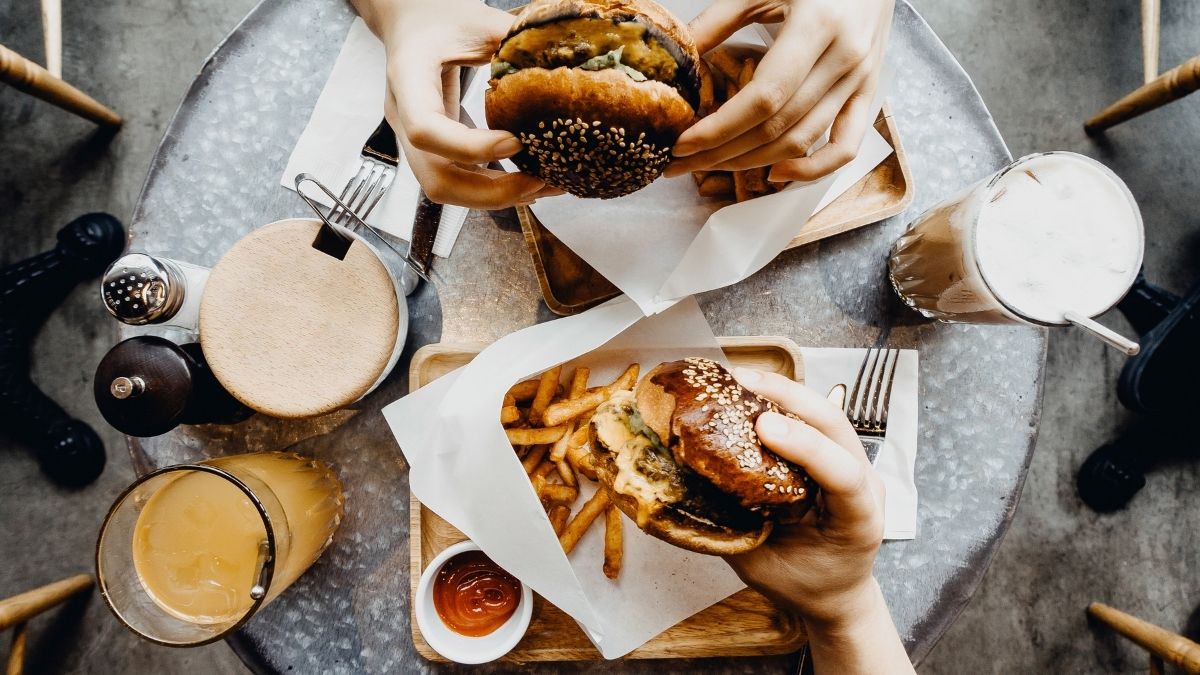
column 140, row 289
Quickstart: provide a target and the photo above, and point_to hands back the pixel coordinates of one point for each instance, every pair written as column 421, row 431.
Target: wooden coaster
column 292, row 332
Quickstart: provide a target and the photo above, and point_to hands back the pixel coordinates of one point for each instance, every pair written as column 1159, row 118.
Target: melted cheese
column 631, row 451
column 573, row 41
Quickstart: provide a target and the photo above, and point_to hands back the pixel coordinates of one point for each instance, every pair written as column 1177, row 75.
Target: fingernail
column 684, row 149
column 507, row 147
column 746, row 375
column 533, row 188
column 772, row 425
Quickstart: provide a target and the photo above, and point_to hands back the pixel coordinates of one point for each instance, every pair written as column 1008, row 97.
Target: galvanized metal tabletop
column 216, row 176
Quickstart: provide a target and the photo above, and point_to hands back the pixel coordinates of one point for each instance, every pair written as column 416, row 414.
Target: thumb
column 716, row 23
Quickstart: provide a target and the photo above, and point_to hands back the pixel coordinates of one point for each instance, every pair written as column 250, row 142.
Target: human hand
column 426, row 41
column 822, row 567
column 822, row 70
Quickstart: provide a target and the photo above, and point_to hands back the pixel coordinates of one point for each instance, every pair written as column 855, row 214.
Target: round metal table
column 216, row 176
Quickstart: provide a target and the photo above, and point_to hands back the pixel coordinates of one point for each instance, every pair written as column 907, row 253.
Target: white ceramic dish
column 460, row 648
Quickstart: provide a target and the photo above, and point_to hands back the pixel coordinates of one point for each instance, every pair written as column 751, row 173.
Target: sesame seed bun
column 710, row 486
column 595, row 133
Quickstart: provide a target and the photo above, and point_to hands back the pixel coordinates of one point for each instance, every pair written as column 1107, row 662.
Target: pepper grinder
column 140, row 289
column 147, row 386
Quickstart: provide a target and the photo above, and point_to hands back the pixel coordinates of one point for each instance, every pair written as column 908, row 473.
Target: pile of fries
column 724, row 72
column 547, row 425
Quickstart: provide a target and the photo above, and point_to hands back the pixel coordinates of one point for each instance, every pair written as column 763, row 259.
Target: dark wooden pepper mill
column 67, row 449
column 147, row 386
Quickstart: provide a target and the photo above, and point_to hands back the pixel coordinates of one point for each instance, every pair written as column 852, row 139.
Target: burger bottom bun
column 591, row 133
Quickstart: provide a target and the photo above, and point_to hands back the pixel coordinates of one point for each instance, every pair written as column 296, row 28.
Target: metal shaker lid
column 140, row 289
column 144, row 385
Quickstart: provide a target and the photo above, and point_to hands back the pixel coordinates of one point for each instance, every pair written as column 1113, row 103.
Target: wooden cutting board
column 744, row 624
column 569, row 285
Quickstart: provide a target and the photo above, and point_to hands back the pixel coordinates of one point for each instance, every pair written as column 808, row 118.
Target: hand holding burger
column 821, row 567
column 426, row 41
column 823, row 70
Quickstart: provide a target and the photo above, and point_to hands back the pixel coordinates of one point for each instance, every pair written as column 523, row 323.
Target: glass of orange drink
column 189, row 553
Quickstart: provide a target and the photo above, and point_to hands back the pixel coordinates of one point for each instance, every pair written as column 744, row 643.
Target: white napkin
column 895, row 464
column 666, row 242
column 463, row 468
column 348, row 110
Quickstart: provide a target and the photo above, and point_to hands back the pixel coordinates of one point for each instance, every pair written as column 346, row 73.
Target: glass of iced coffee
column 189, row 553
column 1052, row 239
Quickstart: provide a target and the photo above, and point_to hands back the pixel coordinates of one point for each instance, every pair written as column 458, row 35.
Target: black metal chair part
column 67, row 449
column 1160, row 383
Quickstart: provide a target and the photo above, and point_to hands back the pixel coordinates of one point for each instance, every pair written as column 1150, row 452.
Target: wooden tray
column 744, row 624
column 569, row 285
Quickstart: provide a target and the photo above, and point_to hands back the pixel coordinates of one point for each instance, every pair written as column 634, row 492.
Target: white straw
column 1129, row 347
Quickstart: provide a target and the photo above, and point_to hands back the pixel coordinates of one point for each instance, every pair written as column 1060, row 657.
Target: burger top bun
column 709, row 419
column 597, row 91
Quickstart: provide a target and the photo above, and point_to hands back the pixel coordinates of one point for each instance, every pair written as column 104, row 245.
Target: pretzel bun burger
column 679, row 456
column 597, row 90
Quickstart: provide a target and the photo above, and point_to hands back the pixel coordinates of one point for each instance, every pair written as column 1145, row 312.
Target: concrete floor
column 1042, row 66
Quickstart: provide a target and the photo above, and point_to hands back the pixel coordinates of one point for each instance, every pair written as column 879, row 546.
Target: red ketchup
column 473, row 596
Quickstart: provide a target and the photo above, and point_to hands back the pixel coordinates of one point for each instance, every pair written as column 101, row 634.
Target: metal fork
column 376, row 171
column 868, row 403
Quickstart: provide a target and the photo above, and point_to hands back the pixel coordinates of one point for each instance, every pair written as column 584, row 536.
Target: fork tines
column 363, row 191
column 867, row 405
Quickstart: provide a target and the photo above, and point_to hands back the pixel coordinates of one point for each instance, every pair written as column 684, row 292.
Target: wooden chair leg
column 1171, row 648
column 16, row 654
column 19, row 608
column 52, row 35
column 1171, row 85
column 29, row 77
column 1150, row 22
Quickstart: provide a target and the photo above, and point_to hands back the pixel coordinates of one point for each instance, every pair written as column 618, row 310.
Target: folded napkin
column 896, row 461
column 348, row 110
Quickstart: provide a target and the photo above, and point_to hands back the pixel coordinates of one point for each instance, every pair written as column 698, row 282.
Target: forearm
column 864, row 641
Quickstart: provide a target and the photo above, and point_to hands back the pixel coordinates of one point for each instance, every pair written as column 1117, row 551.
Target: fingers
column 475, row 187
column 716, row 23
column 844, row 479
column 807, row 404
column 782, row 71
column 845, row 138
column 422, row 111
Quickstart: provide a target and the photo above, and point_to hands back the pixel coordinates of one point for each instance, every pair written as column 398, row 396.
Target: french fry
column 717, row 184
column 579, row 381
column 544, row 468
column 580, row 458
column 523, row 391
column 741, row 189
column 699, row 176
column 509, row 399
column 559, row 451
column 566, row 472
column 578, row 525
column 538, row 482
column 723, row 61
column 579, row 438
column 509, row 414
column 613, row 542
column 535, row 456
column 558, row 517
column 731, row 89
column 625, row 380
column 558, row 494
column 756, row 181
column 565, row 411
column 707, row 100
column 535, row 436
column 746, row 73
column 547, row 388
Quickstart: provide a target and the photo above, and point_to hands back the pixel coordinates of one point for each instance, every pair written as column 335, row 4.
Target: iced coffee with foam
column 1049, row 234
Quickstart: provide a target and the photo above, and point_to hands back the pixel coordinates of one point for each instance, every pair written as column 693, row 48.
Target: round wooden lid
column 293, row 332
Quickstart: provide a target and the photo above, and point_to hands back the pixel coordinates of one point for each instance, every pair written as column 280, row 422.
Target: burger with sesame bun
column 679, row 456
column 597, row 90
